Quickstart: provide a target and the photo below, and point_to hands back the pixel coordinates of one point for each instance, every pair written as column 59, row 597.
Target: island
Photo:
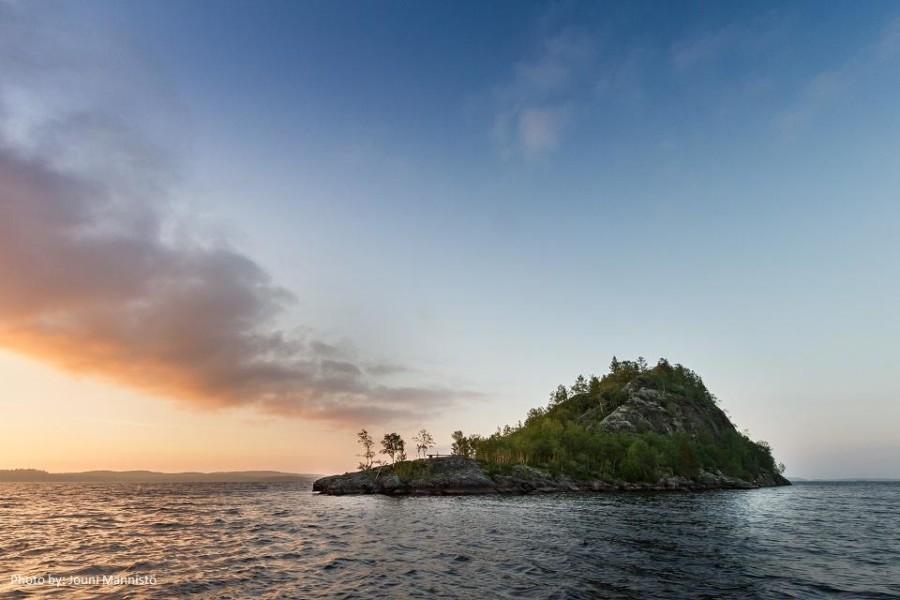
column 638, row 428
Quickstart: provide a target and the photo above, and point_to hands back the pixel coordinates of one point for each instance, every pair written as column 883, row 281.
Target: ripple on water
column 278, row 540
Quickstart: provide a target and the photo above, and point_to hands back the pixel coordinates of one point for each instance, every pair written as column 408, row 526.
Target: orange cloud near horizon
column 90, row 282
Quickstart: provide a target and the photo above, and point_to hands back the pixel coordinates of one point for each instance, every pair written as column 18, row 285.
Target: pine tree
column 580, row 386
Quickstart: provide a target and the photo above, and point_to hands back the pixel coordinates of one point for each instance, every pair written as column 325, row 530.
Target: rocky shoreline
column 456, row 476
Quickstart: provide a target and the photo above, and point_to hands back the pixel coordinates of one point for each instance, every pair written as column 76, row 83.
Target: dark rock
column 455, row 475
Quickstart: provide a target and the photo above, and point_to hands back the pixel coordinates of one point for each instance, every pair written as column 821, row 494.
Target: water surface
column 281, row 541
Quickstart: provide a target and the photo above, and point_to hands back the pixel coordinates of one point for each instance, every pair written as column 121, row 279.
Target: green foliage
column 461, row 446
column 640, row 462
column 560, row 437
column 580, row 386
column 424, row 442
column 412, row 469
column 558, row 396
column 368, row 454
column 394, row 447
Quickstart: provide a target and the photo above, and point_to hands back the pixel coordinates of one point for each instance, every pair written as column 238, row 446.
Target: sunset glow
column 233, row 256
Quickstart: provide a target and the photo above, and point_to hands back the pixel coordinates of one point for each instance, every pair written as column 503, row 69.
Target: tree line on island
column 394, row 447
column 563, row 436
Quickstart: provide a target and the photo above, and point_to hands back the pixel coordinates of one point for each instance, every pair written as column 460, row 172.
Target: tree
column 424, row 441
column 460, row 445
column 687, row 463
column 559, row 396
column 475, row 442
column 580, row 386
column 564, row 439
column 535, row 414
column 365, row 440
column 642, row 364
column 393, row 446
column 640, row 462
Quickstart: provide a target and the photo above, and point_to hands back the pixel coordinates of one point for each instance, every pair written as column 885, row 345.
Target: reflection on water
column 279, row 540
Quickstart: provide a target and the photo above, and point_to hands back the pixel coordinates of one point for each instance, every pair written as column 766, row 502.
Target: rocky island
column 636, row 429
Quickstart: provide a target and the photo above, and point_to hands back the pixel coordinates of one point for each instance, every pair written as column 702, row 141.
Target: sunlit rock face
column 650, row 410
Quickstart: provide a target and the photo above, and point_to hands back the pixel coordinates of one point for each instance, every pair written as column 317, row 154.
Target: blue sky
column 499, row 196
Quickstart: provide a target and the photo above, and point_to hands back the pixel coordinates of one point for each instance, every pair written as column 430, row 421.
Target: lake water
column 281, row 541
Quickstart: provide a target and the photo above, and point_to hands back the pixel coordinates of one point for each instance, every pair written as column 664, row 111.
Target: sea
column 279, row 540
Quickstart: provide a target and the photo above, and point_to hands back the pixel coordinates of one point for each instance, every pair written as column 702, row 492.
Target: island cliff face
column 650, row 410
column 637, row 429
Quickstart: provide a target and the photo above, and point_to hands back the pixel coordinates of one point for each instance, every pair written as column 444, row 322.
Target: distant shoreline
column 38, row 476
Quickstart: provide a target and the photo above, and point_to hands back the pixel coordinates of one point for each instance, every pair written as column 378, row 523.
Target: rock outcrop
column 445, row 475
column 455, row 475
column 650, row 410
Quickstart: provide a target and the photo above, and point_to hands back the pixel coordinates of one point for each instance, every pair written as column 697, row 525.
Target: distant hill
column 35, row 475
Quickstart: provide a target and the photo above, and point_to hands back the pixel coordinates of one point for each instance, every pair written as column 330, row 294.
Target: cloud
column 556, row 64
column 748, row 38
column 825, row 90
column 814, row 96
column 692, row 52
column 888, row 45
column 540, row 129
column 93, row 279
column 535, row 106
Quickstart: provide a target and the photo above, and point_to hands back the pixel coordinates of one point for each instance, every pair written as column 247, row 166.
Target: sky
column 233, row 234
